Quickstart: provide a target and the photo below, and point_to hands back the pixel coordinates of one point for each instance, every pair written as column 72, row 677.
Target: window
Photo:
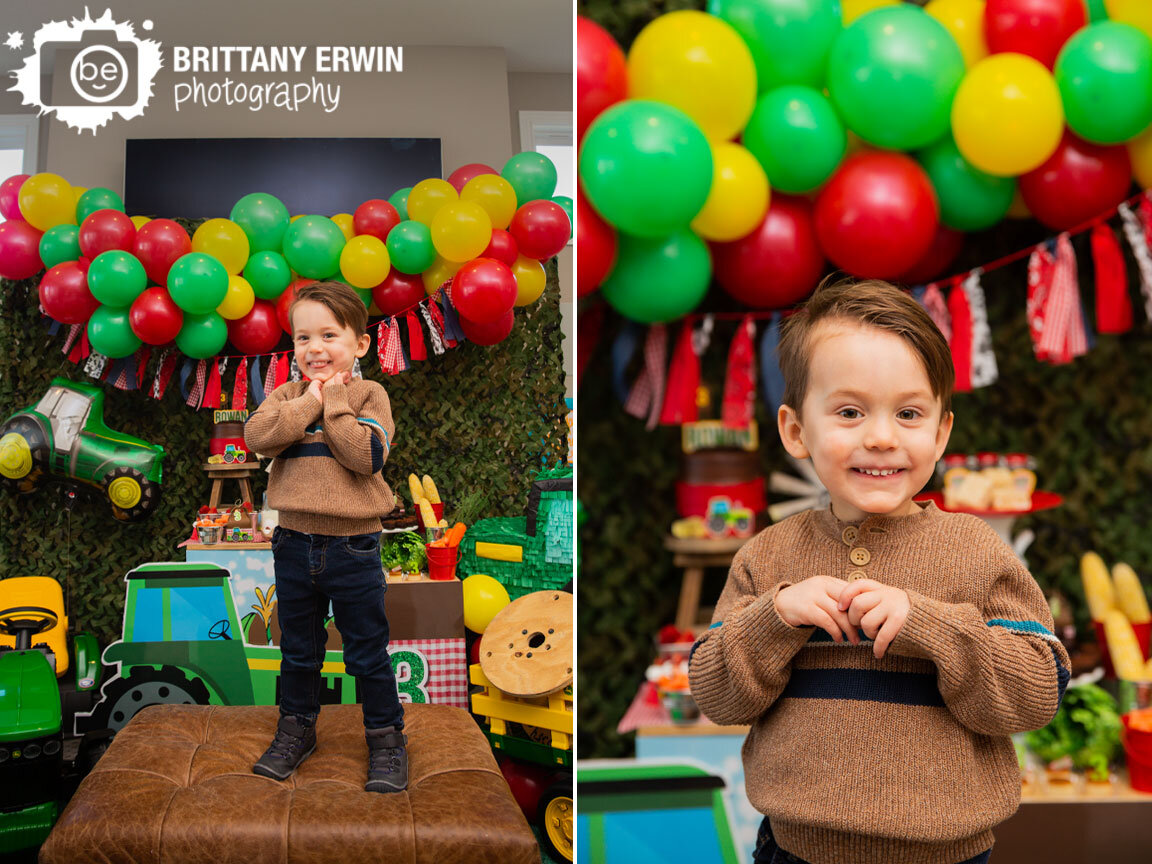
column 19, row 134
column 550, row 133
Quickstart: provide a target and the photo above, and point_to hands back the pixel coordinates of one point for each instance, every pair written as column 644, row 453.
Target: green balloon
column 789, row 39
column 365, row 296
column 1104, row 73
column 312, row 246
column 399, row 200
column 796, row 135
column 892, row 76
column 645, row 167
column 566, row 202
column 656, row 280
column 116, row 278
column 532, row 176
column 970, row 200
column 59, row 244
column 202, row 335
column 110, row 334
column 95, row 199
column 268, row 274
column 263, row 218
column 410, row 247
column 198, row 283
column 1096, row 10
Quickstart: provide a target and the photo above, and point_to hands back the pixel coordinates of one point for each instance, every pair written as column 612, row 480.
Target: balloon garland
column 891, row 129
column 132, row 282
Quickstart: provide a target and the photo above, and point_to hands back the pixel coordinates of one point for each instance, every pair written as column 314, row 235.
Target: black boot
column 387, row 760
column 294, row 742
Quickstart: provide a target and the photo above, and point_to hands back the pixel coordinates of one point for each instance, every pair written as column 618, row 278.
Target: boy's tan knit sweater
column 904, row 760
column 327, row 476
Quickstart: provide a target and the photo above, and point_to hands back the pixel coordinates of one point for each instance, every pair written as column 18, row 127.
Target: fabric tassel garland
column 117, row 374
column 256, row 382
column 270, row 375
column 433, row 330
column 391, row 355
column 961, row 341
column 81, row 349
column 73, row 333
column 95, row 365
column 452, row 322
column 197, row 390
column 437, row 313
column 240, row 386
column 1113, row 305
column 294, row 373
column 771, row 378
column 683, row 379
column 1055, row 314
column 282, row 369
column 984, row 368
column 164, row 370
column 1041, row 268
column 142, row 358
column 416, row 349
column 647, row 394
column 736, row 411
column 1134, row 234
column 937, row 308
column 211, row 397
column 623, row 349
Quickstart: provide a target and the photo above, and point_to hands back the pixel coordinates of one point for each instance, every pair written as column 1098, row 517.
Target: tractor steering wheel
column 219, row 630
column 24, row 622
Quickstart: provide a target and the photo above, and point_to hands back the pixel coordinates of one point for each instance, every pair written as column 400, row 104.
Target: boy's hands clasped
column 316, row 388
column 842, row 608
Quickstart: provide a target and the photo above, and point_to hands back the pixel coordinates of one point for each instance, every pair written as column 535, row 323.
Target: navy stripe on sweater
column 864, row 685
column 298, row 450
column 1062, row 676
column 377, row 454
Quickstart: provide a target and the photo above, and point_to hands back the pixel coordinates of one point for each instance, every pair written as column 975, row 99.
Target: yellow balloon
column 294, row 218
column 483, row 598
column 364, row 261
column 77, row 191
column 461, row 231
column 225, row 241
column 1007, row 117
column 738, row 198
column 439, row 273
column 495, row 195
column 1140, row 152
column 850, row 10
column 427, row 197
column 530, row 280
column 699, row 64
column 239, row 300
column 964, row 19
column 1137, row 13
column 344, row 223
column 46, row 201
column 140, row 221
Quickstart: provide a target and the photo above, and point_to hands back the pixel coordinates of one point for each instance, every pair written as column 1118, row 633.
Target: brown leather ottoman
column 177, row 786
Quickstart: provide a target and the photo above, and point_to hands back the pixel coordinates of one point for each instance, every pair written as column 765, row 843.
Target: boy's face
column 324, row 347
column 869, row 408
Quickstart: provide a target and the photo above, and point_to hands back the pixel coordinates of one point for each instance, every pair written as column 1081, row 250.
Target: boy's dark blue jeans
column 767, row 852
column 311, row 570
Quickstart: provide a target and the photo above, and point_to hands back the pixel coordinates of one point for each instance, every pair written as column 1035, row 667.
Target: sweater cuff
column 336, row 399
column 306, row 408
column 762, row 628
column 924, row 633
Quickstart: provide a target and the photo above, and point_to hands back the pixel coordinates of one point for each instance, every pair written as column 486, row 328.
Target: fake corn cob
column 1097, row 586
column 1130, row 597
column 415, row 489
column 430, row 491
column 427, row 514
column 1123, row 647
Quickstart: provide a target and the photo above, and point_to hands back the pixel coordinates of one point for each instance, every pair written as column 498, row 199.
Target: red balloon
column 527, row 781
column 10, row 196
column 154, row 317
column 158, row 244
column 1038, row 28
column 878, row 214
column 398, row 291
column 258, row 332
column 65, row 296
column 541, row 229
column 375, row 217
column 502, row 247
column 466, row 172
column 777, row 264
column 483, row 291
column 106, row 230
column 474, row 651
column 1080, row 180
column 285, row 300
column 19, row 249
column 943, row 251
column 595, row 247
column 601, row 73
column 490, row 333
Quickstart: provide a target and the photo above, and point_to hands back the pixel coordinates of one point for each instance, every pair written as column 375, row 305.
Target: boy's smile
column 870, row 421
column 323, row 346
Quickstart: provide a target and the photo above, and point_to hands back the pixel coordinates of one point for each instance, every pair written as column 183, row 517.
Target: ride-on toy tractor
column 34, row 777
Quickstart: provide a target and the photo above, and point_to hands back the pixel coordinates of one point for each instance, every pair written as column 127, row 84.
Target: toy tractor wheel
column 121, row 697
column 555, row 818
column 132, row 495
column 23, row 454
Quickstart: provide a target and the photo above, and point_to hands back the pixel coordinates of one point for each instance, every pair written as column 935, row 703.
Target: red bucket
column 438, row 509
column 1143, row 633
column 1138, row 746
column 442, row 561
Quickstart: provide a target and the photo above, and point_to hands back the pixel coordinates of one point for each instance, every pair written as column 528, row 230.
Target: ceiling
column 536, row 35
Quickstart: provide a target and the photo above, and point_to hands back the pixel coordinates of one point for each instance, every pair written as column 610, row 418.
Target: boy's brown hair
column 873, row 303
column 342, row 301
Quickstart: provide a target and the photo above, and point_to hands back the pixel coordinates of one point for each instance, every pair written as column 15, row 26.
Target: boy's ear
column 943, row 434
column 791, row 432
column 363, row 344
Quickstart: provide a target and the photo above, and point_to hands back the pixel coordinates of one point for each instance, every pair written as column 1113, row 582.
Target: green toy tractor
column 63, row 436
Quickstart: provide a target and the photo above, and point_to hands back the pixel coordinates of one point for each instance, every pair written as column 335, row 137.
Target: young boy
column 330, row 436
column 882, row 650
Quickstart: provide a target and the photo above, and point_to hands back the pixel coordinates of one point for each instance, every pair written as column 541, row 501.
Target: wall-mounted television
column 205, row 177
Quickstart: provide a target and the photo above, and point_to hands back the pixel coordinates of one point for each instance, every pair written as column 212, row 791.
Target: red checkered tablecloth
column 431, row 670
column 646, row 710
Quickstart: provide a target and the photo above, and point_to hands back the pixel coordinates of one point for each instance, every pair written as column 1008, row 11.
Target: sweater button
column 857, row 574
column 849, row 535
column 859, row 556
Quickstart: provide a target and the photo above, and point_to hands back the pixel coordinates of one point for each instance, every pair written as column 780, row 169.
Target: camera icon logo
column 100, row 70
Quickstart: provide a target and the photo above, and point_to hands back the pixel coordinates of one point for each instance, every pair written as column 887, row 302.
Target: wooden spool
column 527, row 649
